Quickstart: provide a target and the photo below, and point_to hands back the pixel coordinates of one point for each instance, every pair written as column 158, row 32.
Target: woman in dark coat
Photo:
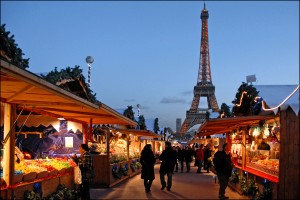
column 147, row 160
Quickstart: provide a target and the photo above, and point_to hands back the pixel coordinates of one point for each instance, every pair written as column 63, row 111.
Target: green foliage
column 247, row 102
column 116, row 172
column 156, row 127
column 124, row 170
column 243, row 184
column 10, row 51
column 225, row 109
column 142, row 123
column 69, row 73
column 234, row 177
column 132, row 166
column 62, row 193
column 138, row 165
column 252, row 188
column 116, row 158
column 31, row 195
column 129, row 113
column 266, row 194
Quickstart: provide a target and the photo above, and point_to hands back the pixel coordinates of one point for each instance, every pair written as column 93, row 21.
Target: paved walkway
column 185, row 186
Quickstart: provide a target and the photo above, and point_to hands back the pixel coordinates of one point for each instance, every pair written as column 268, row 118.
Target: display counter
column 109, row 174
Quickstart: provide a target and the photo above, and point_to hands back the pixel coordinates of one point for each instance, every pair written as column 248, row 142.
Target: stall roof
column 224, row 125
column 31, row 92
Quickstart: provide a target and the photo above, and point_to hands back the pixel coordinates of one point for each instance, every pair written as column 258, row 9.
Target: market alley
column 185, row 186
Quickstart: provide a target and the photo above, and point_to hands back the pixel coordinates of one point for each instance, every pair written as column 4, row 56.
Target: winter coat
column 200, row 154
column 188, row 155
column 222, row 163
column 181, row 154
column 207, row 154
column 147, row 160
column 169, row 159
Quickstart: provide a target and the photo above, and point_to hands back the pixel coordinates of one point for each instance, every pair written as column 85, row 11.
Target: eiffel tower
column 204, row 86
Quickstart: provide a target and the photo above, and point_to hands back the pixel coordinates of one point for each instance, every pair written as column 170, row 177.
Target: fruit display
column 40, row 165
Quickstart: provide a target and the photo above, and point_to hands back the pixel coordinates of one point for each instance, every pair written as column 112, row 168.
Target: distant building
column 178, row 125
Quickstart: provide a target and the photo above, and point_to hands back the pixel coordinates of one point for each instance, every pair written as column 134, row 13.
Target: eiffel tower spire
column 204, row 86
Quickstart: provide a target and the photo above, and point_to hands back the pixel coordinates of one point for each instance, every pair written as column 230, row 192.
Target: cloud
column 129, row 100
column 172, row 100
column 189, row 92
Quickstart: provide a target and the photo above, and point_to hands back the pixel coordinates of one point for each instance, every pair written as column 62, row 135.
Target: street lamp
column 138, row 107
column 89, row 60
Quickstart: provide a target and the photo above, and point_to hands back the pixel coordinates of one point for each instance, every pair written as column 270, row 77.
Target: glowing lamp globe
column 89, row 59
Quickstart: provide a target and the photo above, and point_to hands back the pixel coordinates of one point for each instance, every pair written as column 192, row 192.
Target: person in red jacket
column 200, row 157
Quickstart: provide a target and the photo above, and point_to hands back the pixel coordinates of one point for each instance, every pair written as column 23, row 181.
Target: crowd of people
column 171, row 158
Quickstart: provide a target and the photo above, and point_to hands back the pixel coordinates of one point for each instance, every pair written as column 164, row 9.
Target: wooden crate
column 49, row 186
column 62, row 171
column 18, row 192
column 17, row 178
column 29, row 177
column 67, row 180
column 42, row 174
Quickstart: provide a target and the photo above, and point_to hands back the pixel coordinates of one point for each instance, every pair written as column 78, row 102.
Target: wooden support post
column 243, row 149
column 9, row 146
column 85, row 128
column 127, row 146
column 90, row 133
column 107, row 132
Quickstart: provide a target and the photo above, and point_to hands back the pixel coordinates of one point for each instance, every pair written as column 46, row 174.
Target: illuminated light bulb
column 266, row 130
column 256, row 131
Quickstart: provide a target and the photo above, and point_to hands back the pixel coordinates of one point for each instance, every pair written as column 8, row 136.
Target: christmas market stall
column 41, row 126
column 264, row 147
column 124, row 147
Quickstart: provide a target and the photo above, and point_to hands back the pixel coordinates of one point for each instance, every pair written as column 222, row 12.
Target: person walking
column 181, row 157
column 200, row 157
column 176, row 164
column 188, row 157
column 168, row 158
column 85, row 164
column 207, row 155
column 223, row 166
column 147, row 160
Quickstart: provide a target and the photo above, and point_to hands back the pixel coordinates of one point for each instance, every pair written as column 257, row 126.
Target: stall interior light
column 256, row 131
column 61, row 118
column 266, row 130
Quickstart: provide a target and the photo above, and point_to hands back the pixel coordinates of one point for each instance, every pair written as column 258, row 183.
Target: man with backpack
column 223, row 166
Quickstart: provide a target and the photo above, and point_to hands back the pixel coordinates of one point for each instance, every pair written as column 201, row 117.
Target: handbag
column 77, row 175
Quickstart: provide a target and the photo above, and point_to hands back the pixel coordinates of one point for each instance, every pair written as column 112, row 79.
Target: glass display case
column 263, row 153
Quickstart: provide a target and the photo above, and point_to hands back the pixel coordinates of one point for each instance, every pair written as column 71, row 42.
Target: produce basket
column 70, row 169
column 53, row 172
column 62, row 171
column 42, row 174
column 17, row 178
column 29, row 177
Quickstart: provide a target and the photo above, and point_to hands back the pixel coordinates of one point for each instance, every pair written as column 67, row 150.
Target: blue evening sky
column 147, row 52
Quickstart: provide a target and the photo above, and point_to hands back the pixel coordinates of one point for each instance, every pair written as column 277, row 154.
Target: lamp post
column 89, row 60
column 138, row 107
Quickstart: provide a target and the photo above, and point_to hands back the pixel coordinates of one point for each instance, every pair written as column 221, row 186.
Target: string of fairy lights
column 264, row 103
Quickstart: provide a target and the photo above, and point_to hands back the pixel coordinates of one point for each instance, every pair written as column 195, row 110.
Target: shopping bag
column 77, row 175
